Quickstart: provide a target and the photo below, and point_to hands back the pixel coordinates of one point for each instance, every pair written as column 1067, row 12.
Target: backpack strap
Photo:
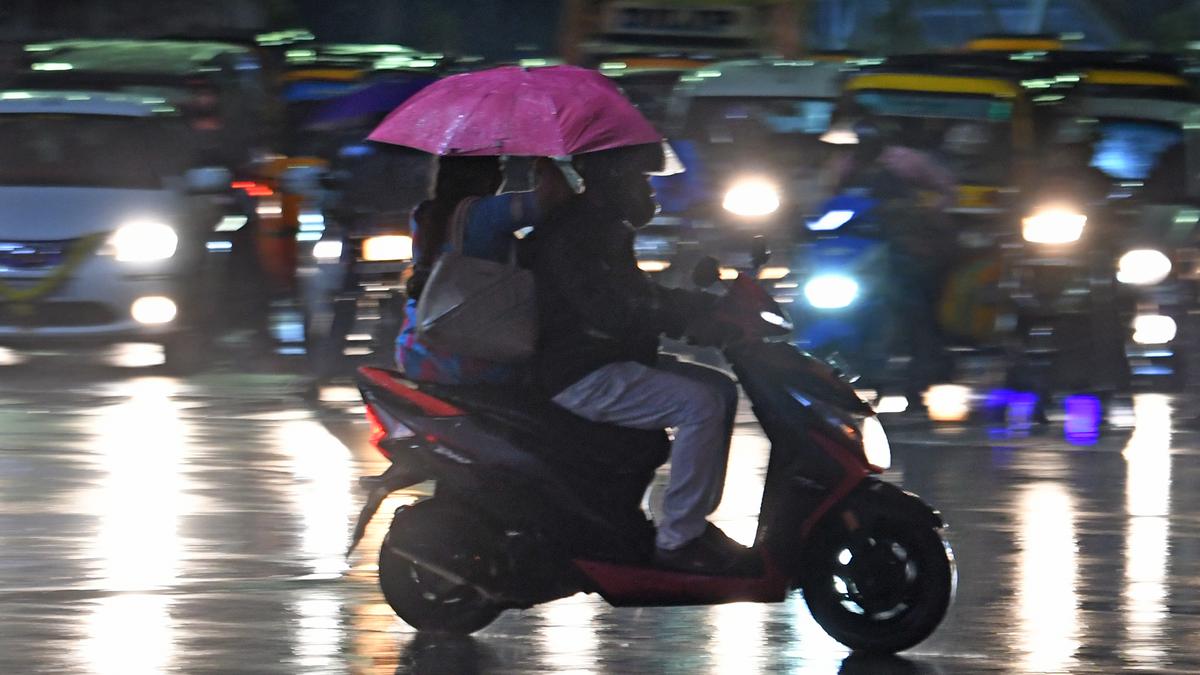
column 458, row 223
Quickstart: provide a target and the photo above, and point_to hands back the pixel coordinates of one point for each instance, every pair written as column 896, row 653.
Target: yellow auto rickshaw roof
column 1015, row 44
column 947, row 84
column 1135, row 78
column 328, row 74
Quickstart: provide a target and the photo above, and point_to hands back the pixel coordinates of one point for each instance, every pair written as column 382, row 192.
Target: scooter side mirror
column 706, row 272
column 760, row 253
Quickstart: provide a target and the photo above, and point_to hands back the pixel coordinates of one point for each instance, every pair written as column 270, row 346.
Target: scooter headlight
column 875, row 444
column 387, row 248
column 1054, row 225
column 831, row 291
column 143, row 241
column 1143, row 267
column 751, row 198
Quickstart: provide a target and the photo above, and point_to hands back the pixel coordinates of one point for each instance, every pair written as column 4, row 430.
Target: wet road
column 152, row 524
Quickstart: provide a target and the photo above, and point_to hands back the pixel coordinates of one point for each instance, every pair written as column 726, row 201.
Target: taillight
column 252, row 188
column 378, row 431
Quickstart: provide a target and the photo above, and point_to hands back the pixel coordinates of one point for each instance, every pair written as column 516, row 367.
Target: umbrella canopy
column 543, row 112
column 372, row 100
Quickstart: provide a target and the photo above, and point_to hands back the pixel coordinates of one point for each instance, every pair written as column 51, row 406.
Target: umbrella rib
column 466, row 118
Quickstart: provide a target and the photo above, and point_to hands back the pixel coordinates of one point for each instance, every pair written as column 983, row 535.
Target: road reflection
column 1047, row 578
column 159, row 525
column 320, row 634
column 738, row 638
column 568, row 635
column 1147, row 545
column 129, row 634
column 322, row 493
column 141, row 448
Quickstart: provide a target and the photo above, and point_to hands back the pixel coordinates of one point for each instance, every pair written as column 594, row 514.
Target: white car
column 105, row 226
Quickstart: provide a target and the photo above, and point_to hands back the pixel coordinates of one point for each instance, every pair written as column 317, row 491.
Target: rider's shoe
column 713, row 553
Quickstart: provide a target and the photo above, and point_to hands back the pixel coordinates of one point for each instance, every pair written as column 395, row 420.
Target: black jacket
column 595, row 306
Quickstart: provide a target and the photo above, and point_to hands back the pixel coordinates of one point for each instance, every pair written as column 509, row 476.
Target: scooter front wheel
column 881, row 588
column 433, row 597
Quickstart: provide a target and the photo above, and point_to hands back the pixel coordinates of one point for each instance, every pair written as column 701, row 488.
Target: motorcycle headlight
column 143, row 241
column 387, row 247
column 752, row 197
column 1143, row 267
column 1054, row 225
column 875, row 444
column 831, row 221
column 831, row 291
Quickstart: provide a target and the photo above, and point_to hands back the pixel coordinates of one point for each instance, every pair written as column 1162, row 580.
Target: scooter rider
column 601, row 318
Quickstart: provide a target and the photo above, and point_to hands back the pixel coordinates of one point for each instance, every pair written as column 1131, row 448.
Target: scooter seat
column 550, row 429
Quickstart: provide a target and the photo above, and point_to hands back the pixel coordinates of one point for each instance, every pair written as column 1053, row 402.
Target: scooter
column 532, row 504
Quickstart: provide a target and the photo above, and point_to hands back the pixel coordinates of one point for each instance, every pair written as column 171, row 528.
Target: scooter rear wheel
column 450, row 539
column 882, row 588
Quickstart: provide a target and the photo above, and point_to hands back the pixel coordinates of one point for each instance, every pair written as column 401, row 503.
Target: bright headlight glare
column 1054, row 225
column 144, row 241
column 327, row 249
column 387, row 247
column 153, row 309
column 832, row 220
column 875, row 444
column 752, row 197
column 1143, row 267
column 772, row 273
column 1154, row 329
column 654, row 265
column 831, row 291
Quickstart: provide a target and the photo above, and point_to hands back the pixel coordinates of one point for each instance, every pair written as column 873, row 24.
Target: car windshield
column 1129, row 149
column 42, row 149
column 971, row 134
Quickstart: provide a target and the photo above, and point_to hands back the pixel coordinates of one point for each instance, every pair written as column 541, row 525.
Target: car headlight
column 387, row 247
column 875, row 444
column 1143, row 267
column 1054, row 225
column 831, row 291
column 1153, row 329
column 752, row 197
column 327, row 249
column 143, row 241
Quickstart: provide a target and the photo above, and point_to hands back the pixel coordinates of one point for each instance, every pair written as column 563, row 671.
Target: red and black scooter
column 532, row 503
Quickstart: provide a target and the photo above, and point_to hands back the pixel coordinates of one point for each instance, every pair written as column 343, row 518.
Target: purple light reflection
column 1084, row 415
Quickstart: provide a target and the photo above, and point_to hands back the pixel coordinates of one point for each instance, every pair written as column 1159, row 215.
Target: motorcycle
column 533, row 504
column 1064, row 301
column 838, row 287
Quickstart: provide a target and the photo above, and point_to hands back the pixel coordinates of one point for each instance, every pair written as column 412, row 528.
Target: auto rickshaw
column 981, row 116
column 748, row 133
column 1135, row 108
column 987, row 118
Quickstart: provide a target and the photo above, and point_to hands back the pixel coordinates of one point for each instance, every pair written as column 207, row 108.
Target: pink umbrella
column 532, row 112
